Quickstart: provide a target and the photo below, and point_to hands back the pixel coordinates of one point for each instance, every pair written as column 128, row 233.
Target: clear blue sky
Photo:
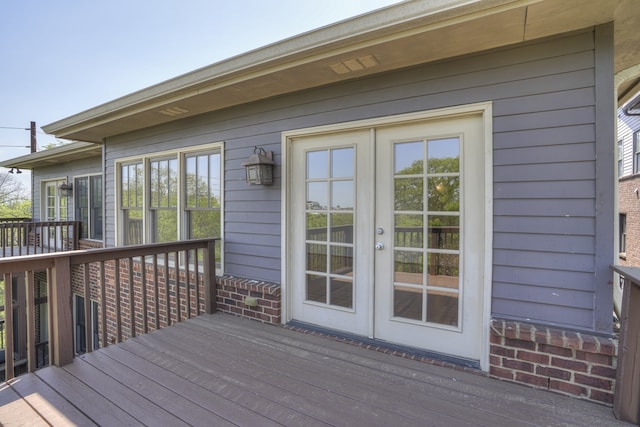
column 58, row 58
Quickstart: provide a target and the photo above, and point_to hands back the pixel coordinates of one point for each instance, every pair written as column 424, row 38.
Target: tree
column 14, row 198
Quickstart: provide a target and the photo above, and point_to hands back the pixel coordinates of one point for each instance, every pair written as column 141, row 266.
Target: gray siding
column 544, row 166
column 88, row 166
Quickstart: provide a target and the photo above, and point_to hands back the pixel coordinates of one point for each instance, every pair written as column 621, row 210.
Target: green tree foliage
column 14, row 198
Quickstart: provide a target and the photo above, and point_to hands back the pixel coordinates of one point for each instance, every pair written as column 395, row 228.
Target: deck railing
column 626, row 402
column 137, row 288
column 21, row 237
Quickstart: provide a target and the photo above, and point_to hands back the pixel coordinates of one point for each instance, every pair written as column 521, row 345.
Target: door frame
column 288, row 137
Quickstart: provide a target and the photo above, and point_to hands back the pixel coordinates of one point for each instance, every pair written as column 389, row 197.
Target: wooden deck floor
column 219, row 370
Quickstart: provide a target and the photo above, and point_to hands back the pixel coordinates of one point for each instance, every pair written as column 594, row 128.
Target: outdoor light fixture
column 259, row 167
column 66, row 189
column 17, row 170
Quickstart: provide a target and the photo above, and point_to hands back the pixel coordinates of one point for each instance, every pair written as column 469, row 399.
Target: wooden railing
column 137, row 289
column 626, row 402
column 25, row 237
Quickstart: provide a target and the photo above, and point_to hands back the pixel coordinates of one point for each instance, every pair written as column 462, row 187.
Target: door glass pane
column 408, row 158
column 342, row 163
column 444, row 270
column 342, row 195
column 442, row 307
column 342, row 227
column 316, row 258
column 409, row 194
column 443, row 194
column 342, row 260
column 408, row 267
column 317, row 164
column 317, row 226
column 407, row 303
column 317, row 196
column 316, row 288
column 341, row 292
column 409, row 231
column 443, row 232
column 443, row 155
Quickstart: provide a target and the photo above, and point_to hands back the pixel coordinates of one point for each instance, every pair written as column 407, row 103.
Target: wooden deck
column 222, row 370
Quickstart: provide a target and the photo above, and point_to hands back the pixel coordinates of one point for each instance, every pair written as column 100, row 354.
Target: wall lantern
column 66, row 189
column 259, row 167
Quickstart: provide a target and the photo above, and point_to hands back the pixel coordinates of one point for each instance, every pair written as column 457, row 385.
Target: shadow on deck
column 224, row 370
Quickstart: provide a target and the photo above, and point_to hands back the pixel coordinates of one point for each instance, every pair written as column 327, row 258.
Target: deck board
column 223, row 370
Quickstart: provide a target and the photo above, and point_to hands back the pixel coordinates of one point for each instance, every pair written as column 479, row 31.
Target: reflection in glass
column 316, row 288
column 317, row 226
column 409, row 231
column 341, row 260
column 408, row 266
column 316, row 257
column 442, row 307
column 342, row 163
column 342, row 195
column 444, row 194
column 317, row 164
column 407, row 303
column 443, row 155
column 443, row 232
column 317, row 195
column 444, row 270
column 408, row 158
column 342, row 227
column 341, row 292
column 408, row 194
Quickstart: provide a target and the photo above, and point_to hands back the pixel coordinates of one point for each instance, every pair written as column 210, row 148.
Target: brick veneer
column 232, row 291
column 566, row 362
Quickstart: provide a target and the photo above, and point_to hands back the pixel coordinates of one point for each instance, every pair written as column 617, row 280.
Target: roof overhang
column 57, row 155
column 399, row 36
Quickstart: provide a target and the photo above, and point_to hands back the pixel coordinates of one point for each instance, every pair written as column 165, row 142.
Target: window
column 620, row 158
column 171, row 196
column 88, row 205
column 131, row 193
column 622, row 238
column 164, row 200
column 203, row 193
column 80, row 325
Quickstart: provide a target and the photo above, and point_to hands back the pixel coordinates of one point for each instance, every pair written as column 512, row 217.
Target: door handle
column 379, row 246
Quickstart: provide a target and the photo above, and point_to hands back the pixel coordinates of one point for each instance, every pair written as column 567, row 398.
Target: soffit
column 382, row 41
column 53, row 156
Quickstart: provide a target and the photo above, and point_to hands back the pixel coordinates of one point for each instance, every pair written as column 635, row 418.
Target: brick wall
column 233, row 291
column 566, row 362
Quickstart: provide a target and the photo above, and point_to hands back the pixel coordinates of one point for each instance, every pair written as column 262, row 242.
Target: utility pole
column 34, row 146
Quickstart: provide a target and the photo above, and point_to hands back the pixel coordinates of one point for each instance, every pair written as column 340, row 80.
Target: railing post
column 61, row 349
column 210, row 278
column 626, row 402
column 8, row 323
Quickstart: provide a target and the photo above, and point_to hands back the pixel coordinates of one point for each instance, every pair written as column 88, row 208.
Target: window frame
column 636, row 152
column 182, row 224
column 90, row 226
column 622, row 235
column 620, row 158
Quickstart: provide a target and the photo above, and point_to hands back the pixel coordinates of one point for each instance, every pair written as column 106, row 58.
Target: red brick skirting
column 232, row 292
column 566, row 362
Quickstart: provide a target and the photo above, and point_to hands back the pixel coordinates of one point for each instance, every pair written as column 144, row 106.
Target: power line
column 12, row 127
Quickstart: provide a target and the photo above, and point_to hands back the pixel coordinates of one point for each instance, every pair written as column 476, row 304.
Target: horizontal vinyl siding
column 544, row 161
column 69, row 171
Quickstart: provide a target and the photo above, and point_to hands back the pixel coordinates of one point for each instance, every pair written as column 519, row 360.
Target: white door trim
column 485, row 109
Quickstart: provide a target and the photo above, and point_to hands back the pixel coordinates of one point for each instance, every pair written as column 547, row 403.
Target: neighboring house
column 444, row 180
column 628, row 187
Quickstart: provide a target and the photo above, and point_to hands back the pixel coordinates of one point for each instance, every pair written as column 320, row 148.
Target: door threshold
column 383, row 346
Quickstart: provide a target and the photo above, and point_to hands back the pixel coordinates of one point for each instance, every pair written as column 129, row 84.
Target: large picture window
column 171, row 196
column 88, row 206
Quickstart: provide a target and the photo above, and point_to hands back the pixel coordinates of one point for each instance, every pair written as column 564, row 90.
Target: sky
column 59, row 58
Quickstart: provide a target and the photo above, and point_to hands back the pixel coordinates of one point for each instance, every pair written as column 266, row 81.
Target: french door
column 387, row 233
column 56, row 209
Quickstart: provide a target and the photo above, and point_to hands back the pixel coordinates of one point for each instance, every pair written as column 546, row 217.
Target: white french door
column 56, row 209
column 387, row 233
